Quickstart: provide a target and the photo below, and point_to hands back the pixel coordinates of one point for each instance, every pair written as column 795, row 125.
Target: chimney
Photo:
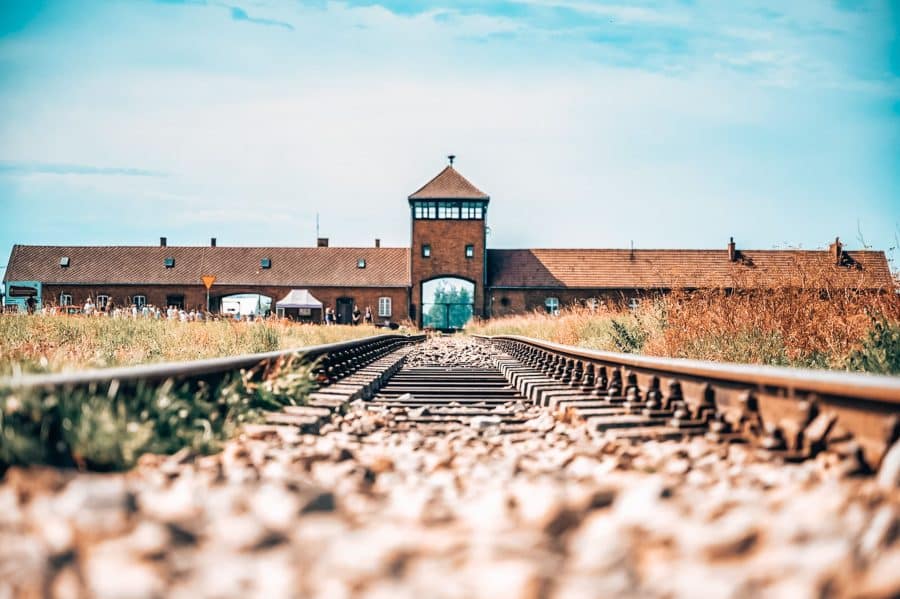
column 322, row 242
column 837, row 251
column 212, row 242
column 732, row 250
column 162, row 242
column 378, row 243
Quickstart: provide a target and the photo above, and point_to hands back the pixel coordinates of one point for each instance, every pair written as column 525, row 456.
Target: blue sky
column 669, row 124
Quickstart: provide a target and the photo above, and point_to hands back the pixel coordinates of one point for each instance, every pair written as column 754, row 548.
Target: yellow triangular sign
column 208, row 280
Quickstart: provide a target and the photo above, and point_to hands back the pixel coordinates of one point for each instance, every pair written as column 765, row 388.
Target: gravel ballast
column 361, row 510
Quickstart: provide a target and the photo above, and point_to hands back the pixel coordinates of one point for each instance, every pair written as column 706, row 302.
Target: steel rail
column 798, row 412
column 211, row 367
column 792, row 380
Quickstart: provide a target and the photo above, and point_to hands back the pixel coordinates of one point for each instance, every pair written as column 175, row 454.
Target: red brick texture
column 195, row 295
column 448, row 240
column 506, row 302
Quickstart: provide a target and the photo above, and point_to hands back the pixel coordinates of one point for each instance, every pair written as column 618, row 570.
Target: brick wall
column 195, row 296
column 505, row 302
column 448, row 240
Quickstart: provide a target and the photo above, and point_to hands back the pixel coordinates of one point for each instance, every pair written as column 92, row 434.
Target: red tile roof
column 669, row 269
column 389, row 267
column 298, row 267
column 449, row 185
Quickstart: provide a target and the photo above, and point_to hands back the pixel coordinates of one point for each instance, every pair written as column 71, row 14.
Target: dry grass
column 824, row 328
column 59, row 343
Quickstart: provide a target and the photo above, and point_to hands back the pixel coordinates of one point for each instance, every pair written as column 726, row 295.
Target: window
column 102, row 302
column 169, row 262
column 65, row 299
column 175, row 300
column 426, row 251
column 470, row 251
column 448, row 210
column 139, row 300
column 472, row 210
column 552, row 305
column 361, row 263
column 265, row 263
column 64, row 261
column 384, row 307
column 634, row 303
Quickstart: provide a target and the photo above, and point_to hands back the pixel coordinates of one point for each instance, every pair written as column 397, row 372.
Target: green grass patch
column 111, row 429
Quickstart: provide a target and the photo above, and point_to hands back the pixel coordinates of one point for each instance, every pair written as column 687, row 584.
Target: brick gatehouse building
column 448, row 252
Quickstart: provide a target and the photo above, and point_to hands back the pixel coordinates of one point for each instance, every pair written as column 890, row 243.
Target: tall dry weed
column 58, row 343
column 815, row 321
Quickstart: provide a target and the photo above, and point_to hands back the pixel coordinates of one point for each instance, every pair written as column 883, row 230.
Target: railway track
column 789, row 413
column 453, row 467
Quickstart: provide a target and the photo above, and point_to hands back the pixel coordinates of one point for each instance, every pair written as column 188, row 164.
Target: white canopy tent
column 300, row 302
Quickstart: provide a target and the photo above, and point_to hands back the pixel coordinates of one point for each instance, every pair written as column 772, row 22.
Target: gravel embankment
column 360, row 511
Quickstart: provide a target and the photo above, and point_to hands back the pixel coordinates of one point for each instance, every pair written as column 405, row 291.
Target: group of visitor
column 356, row 316
column 110, row 310
column 178, row 313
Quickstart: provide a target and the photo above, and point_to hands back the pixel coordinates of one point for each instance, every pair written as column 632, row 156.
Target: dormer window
column 265, row 263
column 169, row 262
column 361, row 263
column 64, row 261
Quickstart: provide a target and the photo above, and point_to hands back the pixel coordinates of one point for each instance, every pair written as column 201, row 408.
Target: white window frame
column 102, row 301
column 384, row 307
column 139, row 300
column 634, row 303
column 552, row 305
column 65, row 299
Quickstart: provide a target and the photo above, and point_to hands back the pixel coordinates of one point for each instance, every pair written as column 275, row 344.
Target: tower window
column 470, row 251
column 448, row 210
column 426, row 251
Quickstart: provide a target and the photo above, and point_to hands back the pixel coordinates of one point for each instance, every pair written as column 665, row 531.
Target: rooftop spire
column 451, row 158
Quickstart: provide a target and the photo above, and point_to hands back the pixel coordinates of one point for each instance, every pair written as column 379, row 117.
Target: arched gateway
column 447, row 251
column 447, row 303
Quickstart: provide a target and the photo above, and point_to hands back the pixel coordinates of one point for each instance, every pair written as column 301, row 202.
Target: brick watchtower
column 447, row 251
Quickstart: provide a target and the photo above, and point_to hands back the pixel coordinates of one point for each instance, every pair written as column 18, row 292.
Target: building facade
column 446, row 276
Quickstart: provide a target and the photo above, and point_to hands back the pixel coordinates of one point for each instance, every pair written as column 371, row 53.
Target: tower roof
column 449, row 185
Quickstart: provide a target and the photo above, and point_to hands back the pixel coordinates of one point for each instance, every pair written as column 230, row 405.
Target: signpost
column 208, row 281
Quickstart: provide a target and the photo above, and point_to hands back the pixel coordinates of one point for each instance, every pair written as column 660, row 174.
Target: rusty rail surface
column 332, row 362
column 794, row 412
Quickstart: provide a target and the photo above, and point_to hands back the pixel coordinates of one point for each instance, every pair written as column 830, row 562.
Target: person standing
column 368, row 316
column 356, row 316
